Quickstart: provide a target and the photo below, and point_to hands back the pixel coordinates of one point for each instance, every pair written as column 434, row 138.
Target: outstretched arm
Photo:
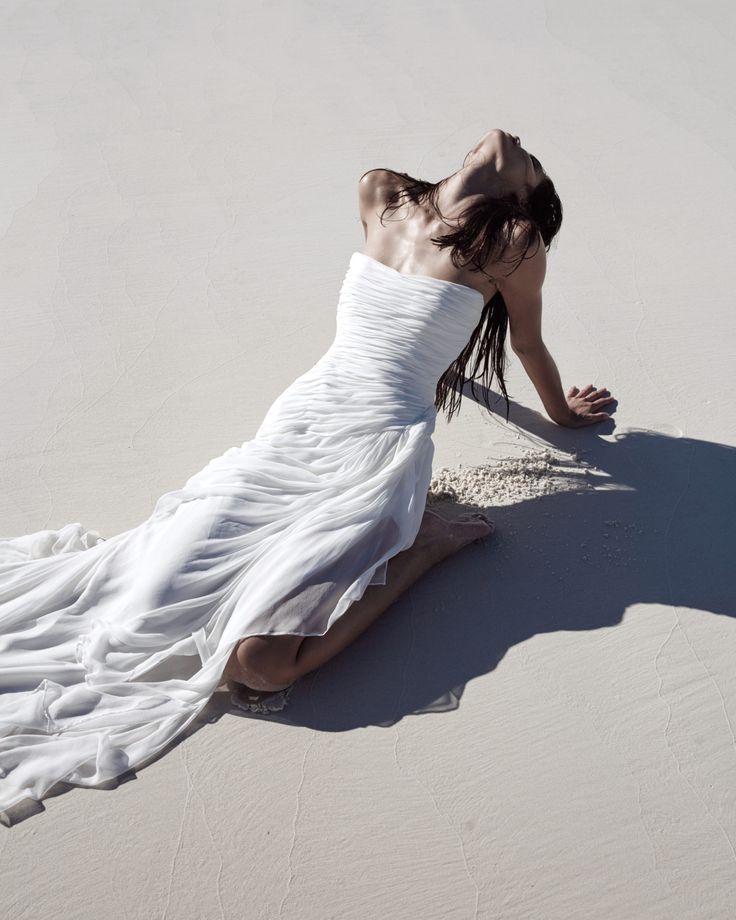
column 572, row 409
column 522, row 293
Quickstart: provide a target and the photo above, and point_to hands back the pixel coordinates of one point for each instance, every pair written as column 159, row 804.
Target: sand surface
column 545, row 726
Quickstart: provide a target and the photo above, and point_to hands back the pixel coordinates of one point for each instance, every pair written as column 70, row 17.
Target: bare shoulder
column 379, row 178
column 524, row 264
column 376, row 185
column 374, row 189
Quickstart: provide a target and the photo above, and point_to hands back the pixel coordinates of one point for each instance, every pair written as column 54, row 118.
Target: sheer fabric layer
column 110, row 648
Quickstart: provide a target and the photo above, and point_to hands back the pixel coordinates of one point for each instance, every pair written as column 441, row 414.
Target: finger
column 573, row 391
column 596, row 394
column 600, row 403
column 586, row 390
column 596, row 417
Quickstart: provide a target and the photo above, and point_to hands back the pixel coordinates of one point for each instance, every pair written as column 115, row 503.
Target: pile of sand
column 509, row 480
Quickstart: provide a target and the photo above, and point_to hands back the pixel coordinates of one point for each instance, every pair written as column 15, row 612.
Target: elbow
column 526, row 346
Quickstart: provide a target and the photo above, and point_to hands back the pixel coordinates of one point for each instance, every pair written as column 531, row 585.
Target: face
column 514, row 169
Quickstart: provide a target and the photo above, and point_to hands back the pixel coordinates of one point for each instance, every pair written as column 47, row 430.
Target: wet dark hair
column 487, row 225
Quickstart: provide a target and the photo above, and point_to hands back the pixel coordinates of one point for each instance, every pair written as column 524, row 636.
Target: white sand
column 508, row 480
column 179, row 206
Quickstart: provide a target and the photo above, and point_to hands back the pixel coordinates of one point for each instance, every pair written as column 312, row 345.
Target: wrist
column 565, row 417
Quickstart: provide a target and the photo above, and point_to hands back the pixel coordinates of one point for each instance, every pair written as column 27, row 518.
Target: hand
column 585, row 406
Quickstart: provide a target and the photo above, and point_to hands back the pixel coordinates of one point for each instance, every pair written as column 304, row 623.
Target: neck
column 468, row 183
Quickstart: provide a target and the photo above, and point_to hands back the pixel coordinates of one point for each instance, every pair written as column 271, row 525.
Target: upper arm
column 522, row 294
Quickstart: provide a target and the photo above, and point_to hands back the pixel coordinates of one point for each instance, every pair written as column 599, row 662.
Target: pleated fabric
column 110, row 648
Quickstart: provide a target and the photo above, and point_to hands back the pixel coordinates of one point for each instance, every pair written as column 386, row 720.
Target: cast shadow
column 657, row 528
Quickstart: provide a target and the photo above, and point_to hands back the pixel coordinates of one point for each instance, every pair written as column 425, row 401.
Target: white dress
column 110, row 648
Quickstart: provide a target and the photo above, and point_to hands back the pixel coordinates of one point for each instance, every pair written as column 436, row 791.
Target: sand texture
column 544, row 727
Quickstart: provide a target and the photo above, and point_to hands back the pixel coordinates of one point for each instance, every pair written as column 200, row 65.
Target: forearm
column 542, row 371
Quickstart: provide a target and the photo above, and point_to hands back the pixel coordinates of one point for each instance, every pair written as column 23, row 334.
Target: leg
column 270, row 663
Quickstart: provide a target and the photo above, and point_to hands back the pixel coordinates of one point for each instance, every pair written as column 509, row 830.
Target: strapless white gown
column 110, row 648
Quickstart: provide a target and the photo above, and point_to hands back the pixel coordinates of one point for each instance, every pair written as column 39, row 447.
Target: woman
column 502, row 211
column 278, row 553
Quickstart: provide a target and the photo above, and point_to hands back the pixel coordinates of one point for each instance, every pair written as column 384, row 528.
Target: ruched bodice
column 110, row 648
column 395, row 336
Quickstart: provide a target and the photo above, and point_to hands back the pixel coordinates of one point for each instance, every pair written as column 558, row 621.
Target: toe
column 476, row 517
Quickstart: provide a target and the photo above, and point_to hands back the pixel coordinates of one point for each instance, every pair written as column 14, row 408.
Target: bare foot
column 437, row 534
